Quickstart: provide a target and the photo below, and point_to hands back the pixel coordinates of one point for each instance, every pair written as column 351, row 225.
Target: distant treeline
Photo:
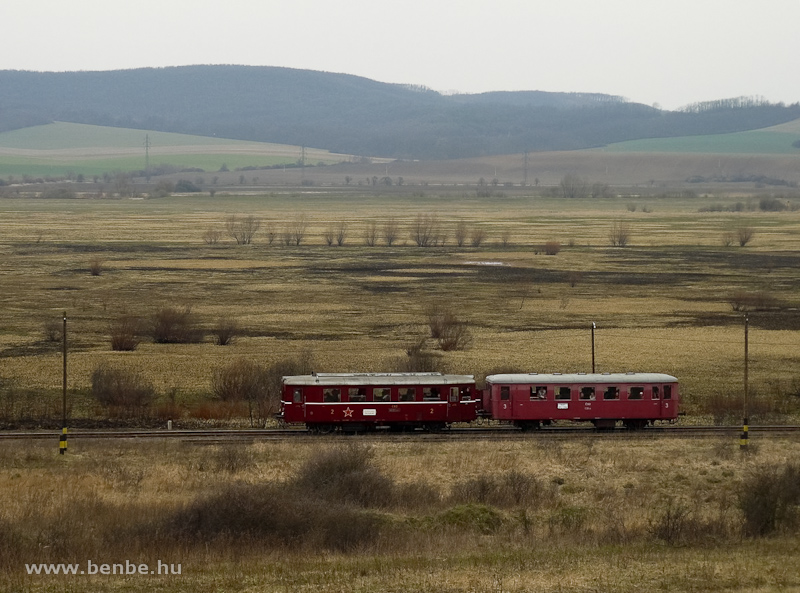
column 355, row 115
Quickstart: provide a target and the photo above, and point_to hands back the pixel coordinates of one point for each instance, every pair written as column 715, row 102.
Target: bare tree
column 744, row 234
column 212, row 236
column 341, row 233
column 390, row 230
column 242, row 230
column 572, row 186
column 461, row 233
column 620, row 234
column 425, row 230
column 297, row 230
column 225, row 330
column 270, row 232
column 371, row 234
column 477, row 236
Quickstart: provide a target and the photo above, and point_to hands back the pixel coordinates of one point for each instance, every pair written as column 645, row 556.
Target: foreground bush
column 769, row 499
column 172, row 325
column 124, row 392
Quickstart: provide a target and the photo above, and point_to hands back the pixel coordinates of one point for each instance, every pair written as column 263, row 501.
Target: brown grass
column 660, row 304
column 569, row 514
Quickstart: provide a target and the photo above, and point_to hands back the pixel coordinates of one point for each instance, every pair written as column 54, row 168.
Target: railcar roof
column 378, row 379
column 520, row 378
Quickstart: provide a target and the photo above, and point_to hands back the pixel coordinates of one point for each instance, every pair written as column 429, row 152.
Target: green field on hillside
column 773, row 140
column 60, row 149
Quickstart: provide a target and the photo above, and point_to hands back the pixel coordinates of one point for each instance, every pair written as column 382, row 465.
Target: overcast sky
column 650, row 51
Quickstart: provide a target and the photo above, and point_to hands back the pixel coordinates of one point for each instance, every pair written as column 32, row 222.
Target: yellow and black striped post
column 62, row 441
column 744, row 440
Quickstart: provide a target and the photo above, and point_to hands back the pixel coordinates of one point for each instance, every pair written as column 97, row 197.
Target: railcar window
column 505, row 392
column 538, row 393
column 407, row 394
column 297, row 395
column 655, row 392
column 611, row 393
column 587, row 392
column 357, row 394
column 563, row 393
column 331, row 394
column 431, row 394
column 635, row 392
column 381, row 394
column 667, row 391
column 466, row 394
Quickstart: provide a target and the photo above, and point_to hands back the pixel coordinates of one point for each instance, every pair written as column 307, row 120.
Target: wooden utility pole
column 62, row 441
column 743, row 442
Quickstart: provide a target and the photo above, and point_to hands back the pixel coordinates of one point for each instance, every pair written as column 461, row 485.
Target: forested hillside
column 354, row 115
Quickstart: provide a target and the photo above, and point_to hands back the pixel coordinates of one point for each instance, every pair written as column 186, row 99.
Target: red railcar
column 530, row 400
column 363, row 401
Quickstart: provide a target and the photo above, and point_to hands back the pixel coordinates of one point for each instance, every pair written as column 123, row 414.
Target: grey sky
column 671, row 53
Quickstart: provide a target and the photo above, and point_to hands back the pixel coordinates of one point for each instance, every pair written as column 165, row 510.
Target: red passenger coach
column 363, row 401
column 530, row 400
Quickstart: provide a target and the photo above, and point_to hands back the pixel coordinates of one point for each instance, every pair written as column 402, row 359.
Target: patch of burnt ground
column 765, row 320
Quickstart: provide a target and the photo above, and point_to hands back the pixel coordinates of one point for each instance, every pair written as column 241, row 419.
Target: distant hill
column 353, row 115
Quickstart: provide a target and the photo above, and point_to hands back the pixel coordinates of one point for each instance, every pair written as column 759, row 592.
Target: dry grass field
column 586, row 515
column 662, row 303
column 324, row 515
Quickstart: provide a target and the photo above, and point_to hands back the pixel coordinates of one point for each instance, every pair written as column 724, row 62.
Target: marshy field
column 666, row 278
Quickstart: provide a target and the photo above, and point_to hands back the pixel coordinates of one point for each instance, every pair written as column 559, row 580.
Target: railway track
column 212, row 436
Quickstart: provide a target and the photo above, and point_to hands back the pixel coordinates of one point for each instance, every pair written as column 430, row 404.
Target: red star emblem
column 348, row 413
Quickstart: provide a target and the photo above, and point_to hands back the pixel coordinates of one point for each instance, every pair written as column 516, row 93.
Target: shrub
column 125, row 391
column 125, row 332
column 752, row 301
column 479, row 517
column 96, row 266
column 242, row 230
column 172, row 325
column 270, row 514
column 241, row 380
column 552, row 248
column 450, row 332
column 53, row 330
column 511, row 489
column 769, row 498
column 186, row 186
column 346, row 474
column 744, row 235
column 225, row 331
column 418, row 359
column 620, row 234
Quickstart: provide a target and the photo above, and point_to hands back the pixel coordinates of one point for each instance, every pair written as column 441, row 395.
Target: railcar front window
column 430, row 394
column 331, row 394
column 563, row 393
column 466, row 394
column 505, row 392
column 407, row 394
column 611, row 393
column 453, row 394
column 636, row 393
column 297, row 395
column 381, row 394
column 587, row 393
column 667, row 391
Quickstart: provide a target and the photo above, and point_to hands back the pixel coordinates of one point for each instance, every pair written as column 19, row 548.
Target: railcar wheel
column 635, row 424
column 321, row 428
